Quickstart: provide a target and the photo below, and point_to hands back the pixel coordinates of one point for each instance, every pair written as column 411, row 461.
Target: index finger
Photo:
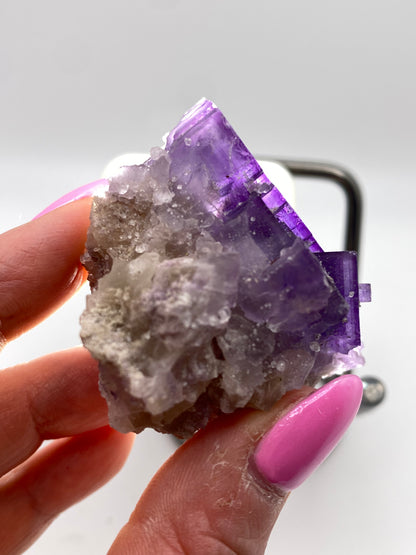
column 40, row 266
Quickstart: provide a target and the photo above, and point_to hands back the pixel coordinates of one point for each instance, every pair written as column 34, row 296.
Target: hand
column 221, row 492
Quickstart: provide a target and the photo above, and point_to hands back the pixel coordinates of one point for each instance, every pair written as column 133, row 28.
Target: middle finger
column 50, row 397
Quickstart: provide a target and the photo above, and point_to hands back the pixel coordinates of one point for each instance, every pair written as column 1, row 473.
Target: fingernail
column 89, row 190
column 305, row 436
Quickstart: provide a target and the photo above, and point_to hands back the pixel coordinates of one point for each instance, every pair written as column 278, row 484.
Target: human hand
column 221, row 492
column 55, row 397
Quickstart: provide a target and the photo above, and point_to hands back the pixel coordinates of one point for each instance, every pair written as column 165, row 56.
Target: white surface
column 85, row 81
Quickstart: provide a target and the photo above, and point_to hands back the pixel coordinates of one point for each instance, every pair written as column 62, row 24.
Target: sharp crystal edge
column 209, row 293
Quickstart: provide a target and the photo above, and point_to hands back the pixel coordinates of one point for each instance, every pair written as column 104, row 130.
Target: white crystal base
column 277, row 173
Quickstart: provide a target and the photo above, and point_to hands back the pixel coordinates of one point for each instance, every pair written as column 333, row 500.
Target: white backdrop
column 84, row 81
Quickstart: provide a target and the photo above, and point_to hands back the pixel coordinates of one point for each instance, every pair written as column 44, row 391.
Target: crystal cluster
column 208, row 291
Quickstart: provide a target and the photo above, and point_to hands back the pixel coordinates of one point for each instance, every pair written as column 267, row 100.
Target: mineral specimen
column 208, row 291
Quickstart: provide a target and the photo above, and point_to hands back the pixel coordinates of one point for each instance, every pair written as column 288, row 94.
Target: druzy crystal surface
column 208, row 291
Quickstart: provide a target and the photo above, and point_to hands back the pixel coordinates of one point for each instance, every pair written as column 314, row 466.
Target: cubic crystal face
column 208, row 291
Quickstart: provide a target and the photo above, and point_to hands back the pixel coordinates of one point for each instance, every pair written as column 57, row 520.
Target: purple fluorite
column 209, row 292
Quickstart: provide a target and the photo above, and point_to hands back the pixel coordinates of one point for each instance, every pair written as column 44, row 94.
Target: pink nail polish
column 305, row 436
column 89, row 190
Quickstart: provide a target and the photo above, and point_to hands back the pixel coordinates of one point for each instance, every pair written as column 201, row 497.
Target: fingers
column 53, row 396
column 222, row 491
column 40, row 267
column 204, row 500
column 55, row 478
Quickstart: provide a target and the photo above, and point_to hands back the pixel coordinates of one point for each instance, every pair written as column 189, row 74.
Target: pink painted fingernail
column 305, row 436
column 89, row 190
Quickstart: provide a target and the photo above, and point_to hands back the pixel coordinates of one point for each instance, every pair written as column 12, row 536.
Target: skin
column 205, row 499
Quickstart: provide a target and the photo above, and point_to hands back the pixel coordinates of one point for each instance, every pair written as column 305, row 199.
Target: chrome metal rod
column 348, row 183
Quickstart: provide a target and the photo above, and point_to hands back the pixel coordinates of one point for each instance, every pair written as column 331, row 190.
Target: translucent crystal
column 208, row 291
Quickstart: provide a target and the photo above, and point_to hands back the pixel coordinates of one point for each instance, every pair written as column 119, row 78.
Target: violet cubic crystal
column 209, row 293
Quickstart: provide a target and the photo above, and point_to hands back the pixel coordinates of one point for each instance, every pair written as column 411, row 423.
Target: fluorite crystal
column 208, row 291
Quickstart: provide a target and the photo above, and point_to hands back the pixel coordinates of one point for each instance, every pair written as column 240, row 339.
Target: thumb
column 222, row 491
